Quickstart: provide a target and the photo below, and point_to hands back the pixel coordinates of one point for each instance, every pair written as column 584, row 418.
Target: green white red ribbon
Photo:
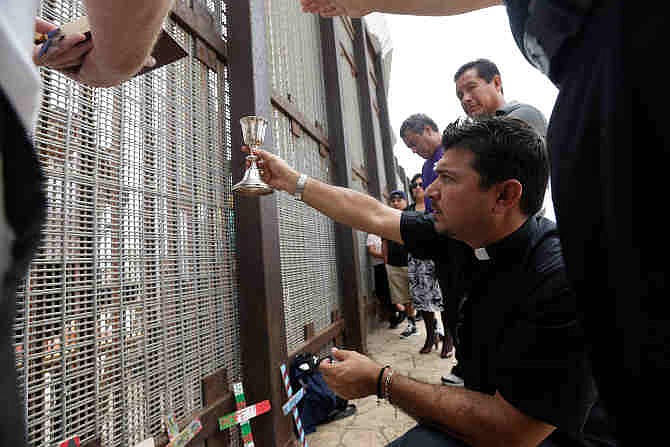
column 243, row 415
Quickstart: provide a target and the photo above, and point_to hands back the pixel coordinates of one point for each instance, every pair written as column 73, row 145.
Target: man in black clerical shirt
column 525, row 366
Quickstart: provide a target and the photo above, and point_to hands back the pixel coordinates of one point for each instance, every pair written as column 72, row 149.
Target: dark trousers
column 25, row 211
column 382, row 289
column 610, row 153
column 422, row 436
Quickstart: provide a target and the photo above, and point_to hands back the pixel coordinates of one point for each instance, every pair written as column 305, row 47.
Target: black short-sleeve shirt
column 515, row 325
column 396, row 254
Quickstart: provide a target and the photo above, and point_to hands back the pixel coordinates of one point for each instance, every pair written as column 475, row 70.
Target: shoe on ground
column 450, row 353
column 411, row 330
column 452, row 380
column 398, row 318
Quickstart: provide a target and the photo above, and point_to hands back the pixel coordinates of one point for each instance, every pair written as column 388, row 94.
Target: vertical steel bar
column 263, row 338
column 66, row 201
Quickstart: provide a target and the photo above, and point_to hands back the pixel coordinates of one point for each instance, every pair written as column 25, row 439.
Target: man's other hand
column 352, row 376
column 65, row 54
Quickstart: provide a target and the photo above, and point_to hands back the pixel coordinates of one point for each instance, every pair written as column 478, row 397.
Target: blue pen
column 51, row 36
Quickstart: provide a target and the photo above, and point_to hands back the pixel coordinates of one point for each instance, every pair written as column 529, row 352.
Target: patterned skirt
column 423, row 286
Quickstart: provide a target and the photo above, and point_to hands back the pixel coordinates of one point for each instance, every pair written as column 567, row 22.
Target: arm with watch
column 476, row 418
column 343, row 205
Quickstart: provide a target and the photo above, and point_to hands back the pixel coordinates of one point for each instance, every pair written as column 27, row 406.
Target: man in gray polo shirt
column 479, row 89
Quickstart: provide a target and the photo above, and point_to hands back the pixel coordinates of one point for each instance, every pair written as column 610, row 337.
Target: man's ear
column 497, row 82
column 509, row 194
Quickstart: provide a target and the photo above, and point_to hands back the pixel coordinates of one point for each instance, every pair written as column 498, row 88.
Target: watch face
column 300, row 186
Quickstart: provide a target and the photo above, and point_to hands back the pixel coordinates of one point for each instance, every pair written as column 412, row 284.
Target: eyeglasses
column 414, row 185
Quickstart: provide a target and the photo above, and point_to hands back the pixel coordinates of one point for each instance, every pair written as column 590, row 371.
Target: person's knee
column 426, row 437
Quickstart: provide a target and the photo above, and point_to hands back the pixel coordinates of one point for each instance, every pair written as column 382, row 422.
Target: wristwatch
column 300, row 187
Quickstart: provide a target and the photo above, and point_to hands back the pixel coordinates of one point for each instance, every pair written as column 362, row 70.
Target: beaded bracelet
column 387, row 386
column 379, row 384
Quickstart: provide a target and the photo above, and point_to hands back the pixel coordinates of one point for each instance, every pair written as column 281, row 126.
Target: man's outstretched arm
column 358, row 8
column 343, row 205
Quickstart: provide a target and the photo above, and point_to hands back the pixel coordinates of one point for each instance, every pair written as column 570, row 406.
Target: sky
column 427, row 51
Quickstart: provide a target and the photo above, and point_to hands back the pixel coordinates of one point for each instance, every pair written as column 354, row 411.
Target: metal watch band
column 300, row 187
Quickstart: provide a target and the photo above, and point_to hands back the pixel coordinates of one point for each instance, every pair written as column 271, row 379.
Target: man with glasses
column 421, row 136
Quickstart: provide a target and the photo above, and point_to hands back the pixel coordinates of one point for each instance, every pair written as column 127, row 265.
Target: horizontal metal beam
column 292, row 112
column 200, row 23
column 319, row 340
column 360, row 173
column 209, row 418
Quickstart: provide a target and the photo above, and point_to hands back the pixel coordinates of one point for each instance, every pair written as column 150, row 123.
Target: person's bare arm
column 374, row 253
column 123, row 34
column 352, row 208
column 477, row 419
column 358, row 8
column 343, row 205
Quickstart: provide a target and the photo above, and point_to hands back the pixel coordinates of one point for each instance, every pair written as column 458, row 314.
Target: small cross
column 292, row 403
column 171, row 426
column 243, row 415
column 185, row 436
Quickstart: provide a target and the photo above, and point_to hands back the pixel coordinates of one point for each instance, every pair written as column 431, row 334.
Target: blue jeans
column 427, row 437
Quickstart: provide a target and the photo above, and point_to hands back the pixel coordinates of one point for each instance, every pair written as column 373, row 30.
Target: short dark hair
column 416, row 123
column 412, row 185
column 504, row 148
column 486, row 69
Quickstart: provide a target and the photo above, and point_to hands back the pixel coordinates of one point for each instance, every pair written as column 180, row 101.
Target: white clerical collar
column 482, row 254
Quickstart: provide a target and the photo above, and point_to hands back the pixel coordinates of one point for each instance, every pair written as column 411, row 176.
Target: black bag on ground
column 320, row 404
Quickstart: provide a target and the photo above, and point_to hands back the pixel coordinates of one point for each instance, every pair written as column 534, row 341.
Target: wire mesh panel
column 307, row 241
column 295, row 67
column 132, row 296
column 307, row 238
column 351, row 115
column 376, row 114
